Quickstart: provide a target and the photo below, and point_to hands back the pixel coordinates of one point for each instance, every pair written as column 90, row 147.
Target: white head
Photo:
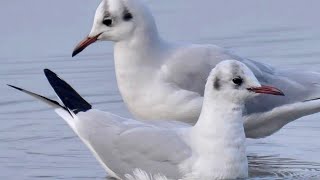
column 232, row 80
column 119, row 20
column 219, row 138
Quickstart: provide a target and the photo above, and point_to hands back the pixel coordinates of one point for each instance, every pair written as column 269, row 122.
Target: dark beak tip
column 74, row 53
column 78, row 50
column 278, row 92
column 84, row 44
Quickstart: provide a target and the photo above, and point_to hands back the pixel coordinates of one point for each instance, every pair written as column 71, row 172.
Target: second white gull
column 162, row 80
column 212, row 149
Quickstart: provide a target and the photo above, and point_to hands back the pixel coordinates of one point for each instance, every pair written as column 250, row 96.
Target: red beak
column 84, row 44
column 267, row 90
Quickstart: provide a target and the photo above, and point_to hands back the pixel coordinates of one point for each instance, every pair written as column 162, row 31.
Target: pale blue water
column 37, row 144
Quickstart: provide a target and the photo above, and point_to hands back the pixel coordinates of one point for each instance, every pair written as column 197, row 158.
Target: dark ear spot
column 216, row 83
column 235, row 68
column 127, row 16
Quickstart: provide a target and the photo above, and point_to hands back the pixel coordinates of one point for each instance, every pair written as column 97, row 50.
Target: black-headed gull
column 212, row 149
column 162, row 80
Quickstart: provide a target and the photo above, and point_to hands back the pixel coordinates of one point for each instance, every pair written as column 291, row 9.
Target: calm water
column 37, row 144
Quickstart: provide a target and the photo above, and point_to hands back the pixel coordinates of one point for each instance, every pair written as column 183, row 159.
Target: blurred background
column 37, row 144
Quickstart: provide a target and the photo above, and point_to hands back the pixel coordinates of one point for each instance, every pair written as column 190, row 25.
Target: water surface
column 36, row 34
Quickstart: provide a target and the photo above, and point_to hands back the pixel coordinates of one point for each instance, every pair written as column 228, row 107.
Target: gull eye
column 107, row 21
column 127, row 16
column 238, row 81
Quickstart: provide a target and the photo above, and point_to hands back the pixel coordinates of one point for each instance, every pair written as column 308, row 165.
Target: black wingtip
column 15, row 87
column 48, row 72
column 42, row 98
column 70, row 98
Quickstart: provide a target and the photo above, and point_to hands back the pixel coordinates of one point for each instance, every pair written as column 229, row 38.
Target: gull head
column 233, row 80
column 118, row 20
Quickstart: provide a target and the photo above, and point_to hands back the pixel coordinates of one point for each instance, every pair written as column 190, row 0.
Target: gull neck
column 218, row 141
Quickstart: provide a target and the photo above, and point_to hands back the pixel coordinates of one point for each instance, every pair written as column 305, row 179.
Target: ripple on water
column 274, row 167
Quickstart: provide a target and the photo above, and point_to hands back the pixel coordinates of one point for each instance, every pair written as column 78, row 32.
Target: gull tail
column 263, row 124
column 73, row 103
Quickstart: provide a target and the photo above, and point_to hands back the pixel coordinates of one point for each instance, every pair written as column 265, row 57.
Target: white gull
column 212, row 149
column 162, row 80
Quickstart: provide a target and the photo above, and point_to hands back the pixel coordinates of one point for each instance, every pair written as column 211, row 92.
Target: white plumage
column 213, row 149
column 162, row 80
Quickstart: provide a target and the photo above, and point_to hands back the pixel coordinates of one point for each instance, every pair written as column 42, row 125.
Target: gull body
column 212, row 149
column 162, row 80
